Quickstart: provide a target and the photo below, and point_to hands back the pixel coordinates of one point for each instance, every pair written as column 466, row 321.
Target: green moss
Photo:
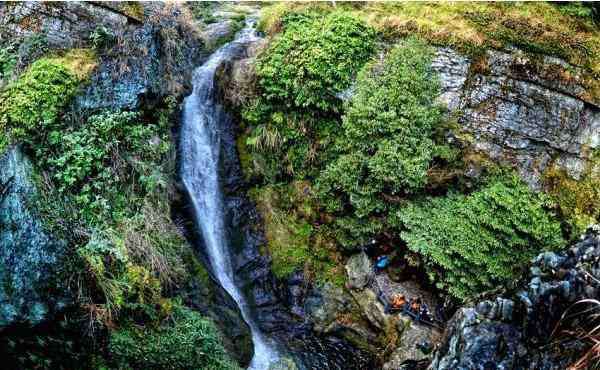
column 294, row 243
column 577, row 200
column 31, row 105
column 183, row 340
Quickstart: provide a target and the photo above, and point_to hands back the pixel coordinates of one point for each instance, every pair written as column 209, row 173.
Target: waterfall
column 200, row 148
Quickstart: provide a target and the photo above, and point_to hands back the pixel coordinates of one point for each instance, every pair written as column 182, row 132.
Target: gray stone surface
column 29, row 258
column 359, row 270
column 514, row 332
column 527, row 113
column 413, row 336
column 65, row 24
column 144, row 62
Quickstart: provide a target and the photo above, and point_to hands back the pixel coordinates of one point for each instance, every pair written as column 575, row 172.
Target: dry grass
column 582, row 321
column 80, row 62
column 153, row 241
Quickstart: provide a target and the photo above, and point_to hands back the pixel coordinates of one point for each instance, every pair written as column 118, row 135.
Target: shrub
column 314, row 59
column 31, row 105
column 96, row 161
column 387, row 144
column 117, row 278
column 472, row 243
column 183, row 341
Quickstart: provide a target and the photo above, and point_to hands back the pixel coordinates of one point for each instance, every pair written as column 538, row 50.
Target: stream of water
column 200, row 148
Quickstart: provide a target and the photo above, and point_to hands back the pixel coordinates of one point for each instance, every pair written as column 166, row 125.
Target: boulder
column 415, row 341
column 360, row 271
column 371, row 308
column 30, row 258
column 322, row 306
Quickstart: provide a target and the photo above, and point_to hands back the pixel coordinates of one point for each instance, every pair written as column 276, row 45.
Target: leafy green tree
column 387, row 146
column 472, row 243
column 294, row 117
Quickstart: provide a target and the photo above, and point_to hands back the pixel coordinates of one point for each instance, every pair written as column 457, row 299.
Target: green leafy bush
column 387, row 146
column 472, row 243
column 95, row 161
column 314, row 59
column 184, row 340
column 36, row 99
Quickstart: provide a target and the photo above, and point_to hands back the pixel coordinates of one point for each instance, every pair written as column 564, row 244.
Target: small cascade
column 200, row 151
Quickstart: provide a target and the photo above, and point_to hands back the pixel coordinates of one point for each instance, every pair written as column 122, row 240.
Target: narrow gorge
column 298, row 186
column 200, row 152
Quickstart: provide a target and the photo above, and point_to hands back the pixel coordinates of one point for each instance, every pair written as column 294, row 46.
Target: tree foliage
column 387, row 146
column 314, row 59
column 472, row 243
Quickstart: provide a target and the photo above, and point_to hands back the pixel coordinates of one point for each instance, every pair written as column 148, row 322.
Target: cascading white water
column 200, row 148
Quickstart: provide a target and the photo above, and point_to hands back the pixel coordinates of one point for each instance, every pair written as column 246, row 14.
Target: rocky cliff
column 31, row 259
column 533, row 328
column 528, row 112
column 146, row 54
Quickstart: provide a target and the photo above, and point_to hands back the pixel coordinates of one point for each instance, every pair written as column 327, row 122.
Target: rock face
column 141, row 61
column 29, row 257
column 525, row 112
column 65, row 24
column 515, row 332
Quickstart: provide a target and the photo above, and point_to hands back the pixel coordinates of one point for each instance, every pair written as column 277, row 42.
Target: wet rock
column 359, row 270
column 371, row 308
column 416, row 342
column 30, row 258
column 323, row 305
column 215, row 33
column 209, row 298
column 474, row 342
column 154, row 60
column 284, row 364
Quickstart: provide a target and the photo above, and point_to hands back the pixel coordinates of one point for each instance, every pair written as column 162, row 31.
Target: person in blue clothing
column 381, row 263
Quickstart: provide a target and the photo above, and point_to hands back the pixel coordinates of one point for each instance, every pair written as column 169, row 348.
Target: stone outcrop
column 531, row 113
column 141, row 61
column 525, row 330
column 30, row 259
column 64, row 24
